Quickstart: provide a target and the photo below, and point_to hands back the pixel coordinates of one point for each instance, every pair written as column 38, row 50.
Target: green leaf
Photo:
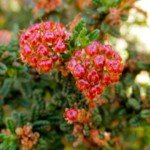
column 11, row 125
column 136, row 91
column 145, row 113
column 102, row 9
column 3, row 69
column 143, row 65
column 86, row 130
column 41, row 125
column 23, row 119
column 3, row 136
column 119, row 89
column 82, row 39
column 6, row 87
column 114, row 31
column 97, row 119
column 97, row 2
column 94, row 35
column 1, row 115
column 35, row 112
column 70, row 137
column 105, row 27
column 65, row 127
column 66, row 56
column 136, row 121
column 148, row 93
column 134, row 103
column 80, row 25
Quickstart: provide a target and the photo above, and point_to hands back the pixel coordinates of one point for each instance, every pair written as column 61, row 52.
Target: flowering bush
column 63, row 82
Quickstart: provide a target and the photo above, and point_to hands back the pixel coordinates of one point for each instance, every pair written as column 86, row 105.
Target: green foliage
column 145, row 113
column 106, row 3
column 20, row 119
column 148, row 93
column 94, row 35
column 3, row 69
column 134, row 103
column 96, row 118
column 120, row 90
column 1, row 115
column 6, row 87
column 143, row 66
column 81, row 37
column 136, row 91
column 9, row 142
column 11, row 125
column 137, row 121
column 106, row 28
column 41, row 125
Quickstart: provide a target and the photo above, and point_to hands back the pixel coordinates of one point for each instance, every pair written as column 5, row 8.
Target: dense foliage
column 59, row 77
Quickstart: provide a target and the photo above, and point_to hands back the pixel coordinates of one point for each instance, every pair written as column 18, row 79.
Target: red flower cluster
column 94, row 68
column 41, row 45
column 47, row 5
column 73, row 115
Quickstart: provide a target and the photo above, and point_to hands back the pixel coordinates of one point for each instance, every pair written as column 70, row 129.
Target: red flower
column 41, row 45
column 71, row 115
column 94, row 68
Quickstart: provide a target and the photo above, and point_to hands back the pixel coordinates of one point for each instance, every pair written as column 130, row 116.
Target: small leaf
column 114, row 31
column 102, row 9
column 41, row 125
column 11, row 125
column 148, row 93
column 136, row 91
column 97, row 2
column 94, row 35
column 145, row 113
column 134, row 103
column 143, row 65
column 65, row 56
column 35, row 112
column 6, row 87
column 105, row 27
column 1, row 115
column 80, row 25
column 3, row 69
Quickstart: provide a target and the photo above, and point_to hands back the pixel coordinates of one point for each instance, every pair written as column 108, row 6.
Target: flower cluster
column 81, row 4
column 27, row 137
column 94, row 68
column 42, row 44
column 47, row 5
column 73, row 115
column 93, row 137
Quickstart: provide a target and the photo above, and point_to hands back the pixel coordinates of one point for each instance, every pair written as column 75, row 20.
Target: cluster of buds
column 73, row 115
column 27, row 137
column 47, row 5
column 95, row 137
column 95, row 67
column 81, row 4
column 42, row 44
